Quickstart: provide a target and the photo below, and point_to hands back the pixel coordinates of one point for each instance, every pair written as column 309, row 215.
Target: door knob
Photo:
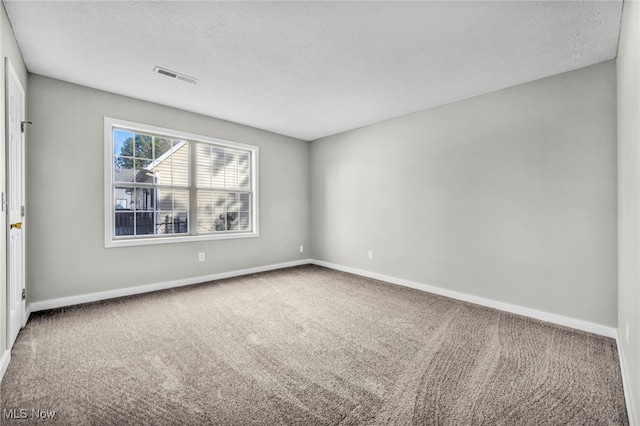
column 17, row 225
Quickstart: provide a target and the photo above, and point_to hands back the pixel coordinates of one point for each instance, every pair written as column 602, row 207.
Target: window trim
column 109, row 216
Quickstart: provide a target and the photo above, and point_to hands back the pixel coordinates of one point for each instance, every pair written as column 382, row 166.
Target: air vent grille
column 175, row 75
column 187, row 79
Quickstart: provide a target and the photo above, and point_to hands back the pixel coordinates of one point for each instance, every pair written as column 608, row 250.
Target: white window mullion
column 192, row 221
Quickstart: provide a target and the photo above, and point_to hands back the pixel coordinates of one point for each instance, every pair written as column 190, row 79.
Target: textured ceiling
column 311, row 69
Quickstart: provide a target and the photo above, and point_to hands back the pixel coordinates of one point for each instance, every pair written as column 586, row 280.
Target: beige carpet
column 307, row 346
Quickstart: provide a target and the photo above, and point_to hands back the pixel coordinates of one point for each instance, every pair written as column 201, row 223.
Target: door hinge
column 22, row 123
column 24, row 293
column 4, row 202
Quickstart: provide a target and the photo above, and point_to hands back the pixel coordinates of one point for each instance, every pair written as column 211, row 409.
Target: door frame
column 11, row 74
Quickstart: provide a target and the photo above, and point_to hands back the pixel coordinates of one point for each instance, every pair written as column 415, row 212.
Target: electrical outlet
column 370, row 254
column 301, row 249
column 201, row 256
column 626, row 332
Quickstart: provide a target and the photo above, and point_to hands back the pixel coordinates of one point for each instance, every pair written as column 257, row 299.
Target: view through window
column 171, row 184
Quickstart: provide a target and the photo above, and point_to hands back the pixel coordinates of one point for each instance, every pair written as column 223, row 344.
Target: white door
column 14, row 111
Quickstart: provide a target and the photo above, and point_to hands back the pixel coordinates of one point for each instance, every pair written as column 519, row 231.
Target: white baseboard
column 27, row 313
column 507, row 307
column 631, row 409
column 103, row 295
column 4, row 363
column 519, row 310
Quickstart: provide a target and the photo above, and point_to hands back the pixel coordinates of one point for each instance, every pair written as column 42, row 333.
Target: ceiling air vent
column 175, row 75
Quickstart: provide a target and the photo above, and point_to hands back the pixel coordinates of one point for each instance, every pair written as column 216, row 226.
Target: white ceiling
column 311, row 69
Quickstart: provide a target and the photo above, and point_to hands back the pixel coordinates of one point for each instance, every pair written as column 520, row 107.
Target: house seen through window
column 166, row 184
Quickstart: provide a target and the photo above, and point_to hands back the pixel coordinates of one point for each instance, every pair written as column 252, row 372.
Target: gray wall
column 509, row 196
column 628, row 67
column 65, row 243
column 8, row 49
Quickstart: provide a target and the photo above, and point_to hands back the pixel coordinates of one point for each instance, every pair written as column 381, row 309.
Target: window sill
column 129, row 242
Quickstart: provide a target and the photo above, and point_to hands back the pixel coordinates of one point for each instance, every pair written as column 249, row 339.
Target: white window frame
column 109, row 185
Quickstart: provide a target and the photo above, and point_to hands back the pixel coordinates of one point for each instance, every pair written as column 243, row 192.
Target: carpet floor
column 306, row 346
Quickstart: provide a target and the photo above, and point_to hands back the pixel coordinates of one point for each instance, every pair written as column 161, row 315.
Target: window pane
column 144, row 199
column 122, row 143
column 217, row 166
column 219, row 210
column 143, row 171
column 164, row 199
column 162, row 145
column 145, row 223
column 164, row 223
column 180, row 223
column 244, row 221
column 223, row 168
column 231, row 169
column 232, row 201
column 244, row 170
column 205, row 224
column 244, row 201
column 123, row 169
column 205, row 212
column 181, row 200
column 143, row 146
column 203, row 165
column 205, row 203
column 232, row 221
column 123, row 198
column 220, row 222
column 180, row 162
column 160, row 169
column 219, row 201
column 124, row 223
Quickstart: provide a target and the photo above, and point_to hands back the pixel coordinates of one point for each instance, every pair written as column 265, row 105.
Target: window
column 165, row 186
